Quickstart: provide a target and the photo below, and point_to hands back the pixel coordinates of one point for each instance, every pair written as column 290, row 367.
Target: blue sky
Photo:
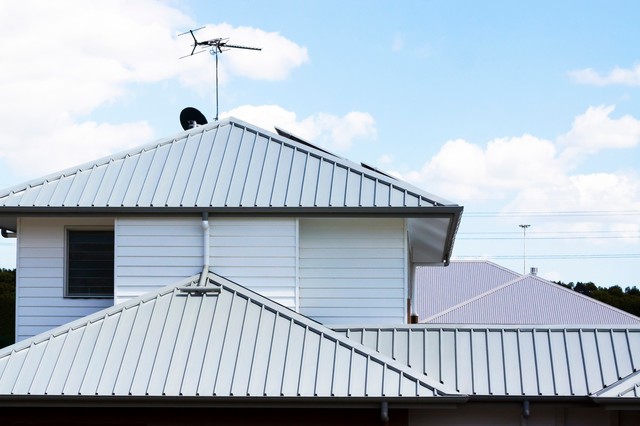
column 522, row 112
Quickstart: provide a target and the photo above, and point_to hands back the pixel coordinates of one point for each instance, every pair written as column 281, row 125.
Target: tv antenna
column 215, row 46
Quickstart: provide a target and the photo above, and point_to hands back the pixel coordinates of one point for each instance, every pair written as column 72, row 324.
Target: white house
column 238, row 276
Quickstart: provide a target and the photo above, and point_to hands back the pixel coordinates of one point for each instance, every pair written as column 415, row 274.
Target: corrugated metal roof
column 439, row 289
column 511, row 361
column 481, row 292
column 219, row 340
column 223, row 164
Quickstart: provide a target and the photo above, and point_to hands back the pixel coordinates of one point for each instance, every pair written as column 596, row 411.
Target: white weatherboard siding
column 258, row 253
column 41, row 304
column 353, row 270
column 154, row 252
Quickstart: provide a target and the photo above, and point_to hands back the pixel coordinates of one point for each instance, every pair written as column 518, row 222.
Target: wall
column 154, row 252
column 258, row 253
column 337, row 271
column 40, row 302
column 353, row 271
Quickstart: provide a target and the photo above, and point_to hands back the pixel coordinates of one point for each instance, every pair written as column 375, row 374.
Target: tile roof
column 219, row 340
column 513, row 361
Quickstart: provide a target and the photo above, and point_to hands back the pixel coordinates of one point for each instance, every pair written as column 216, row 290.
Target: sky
column 524, row 113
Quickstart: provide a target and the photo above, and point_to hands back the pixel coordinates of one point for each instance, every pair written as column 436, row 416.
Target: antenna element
column 215, row 46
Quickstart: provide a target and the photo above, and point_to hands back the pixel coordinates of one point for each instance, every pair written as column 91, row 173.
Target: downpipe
column 205, row 250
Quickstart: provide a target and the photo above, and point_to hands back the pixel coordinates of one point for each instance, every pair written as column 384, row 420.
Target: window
column 90, row 259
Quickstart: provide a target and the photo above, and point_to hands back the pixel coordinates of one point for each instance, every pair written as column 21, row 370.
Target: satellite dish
column 191, row 117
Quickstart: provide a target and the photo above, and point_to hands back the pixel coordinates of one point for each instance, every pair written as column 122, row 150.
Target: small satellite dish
column 191, row 117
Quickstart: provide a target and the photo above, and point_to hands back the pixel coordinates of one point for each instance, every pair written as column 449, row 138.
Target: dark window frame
column 86, row 277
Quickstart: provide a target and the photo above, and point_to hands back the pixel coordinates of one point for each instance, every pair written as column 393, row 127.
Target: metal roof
column 512, row 361
column 484, row 297
column 237, row 168
column 219, row 340
column 439, row 289
column 223, row 164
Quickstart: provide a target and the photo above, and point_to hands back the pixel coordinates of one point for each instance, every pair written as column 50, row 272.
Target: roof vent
column 534, row 270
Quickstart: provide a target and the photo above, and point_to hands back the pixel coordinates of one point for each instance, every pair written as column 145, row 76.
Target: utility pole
column 524, row 248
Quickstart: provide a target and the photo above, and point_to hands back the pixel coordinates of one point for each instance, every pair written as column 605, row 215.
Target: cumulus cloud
column 595, row 130
column 63, row 59
column 466, row 171
column 621, row 76
column 325, row 130
column 275, row 61
column 533, row 174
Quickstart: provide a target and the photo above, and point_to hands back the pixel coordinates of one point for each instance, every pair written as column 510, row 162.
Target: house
column 238, row 276
column 298, row 224
column 481, row 292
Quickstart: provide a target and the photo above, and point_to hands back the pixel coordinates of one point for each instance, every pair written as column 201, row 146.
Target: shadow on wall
column 7, row 306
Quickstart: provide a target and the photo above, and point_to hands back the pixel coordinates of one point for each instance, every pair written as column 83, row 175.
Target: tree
column 627, row 300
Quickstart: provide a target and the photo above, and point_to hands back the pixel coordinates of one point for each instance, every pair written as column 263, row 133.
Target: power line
column 556, row 256
column 551, row 238
column 555, row 213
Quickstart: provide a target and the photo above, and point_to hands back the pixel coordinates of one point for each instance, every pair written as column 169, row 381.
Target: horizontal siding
column 352, row 270
column 257, row 253
column 40, row 304
column 155, row 252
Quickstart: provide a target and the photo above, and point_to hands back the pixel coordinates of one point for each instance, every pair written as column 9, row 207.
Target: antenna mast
column 215, row 46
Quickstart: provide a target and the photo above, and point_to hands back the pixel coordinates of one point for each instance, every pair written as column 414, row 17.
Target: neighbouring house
column 481, row 292
column 238, row 276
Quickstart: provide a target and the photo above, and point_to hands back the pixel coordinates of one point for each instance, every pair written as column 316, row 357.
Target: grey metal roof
column 512, row 361
column 484, row 293
column 439, row 289
column 223, row 164
column 219, row 340
column 237, row 168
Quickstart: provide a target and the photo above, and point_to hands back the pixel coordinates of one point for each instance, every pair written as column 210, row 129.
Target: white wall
column 337, row 271
column 151, row 253
column 353, row 271
column 258, row 253
column 40, row 302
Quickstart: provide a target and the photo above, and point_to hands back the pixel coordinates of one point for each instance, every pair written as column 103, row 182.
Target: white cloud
column 596, row 130
column 532, row 174
column 623, row 76
column 275, row 61
column 63, row 59
column 325, row 130
column 465, row 171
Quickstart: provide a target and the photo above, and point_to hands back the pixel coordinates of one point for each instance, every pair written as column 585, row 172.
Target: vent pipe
column 534, row 270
